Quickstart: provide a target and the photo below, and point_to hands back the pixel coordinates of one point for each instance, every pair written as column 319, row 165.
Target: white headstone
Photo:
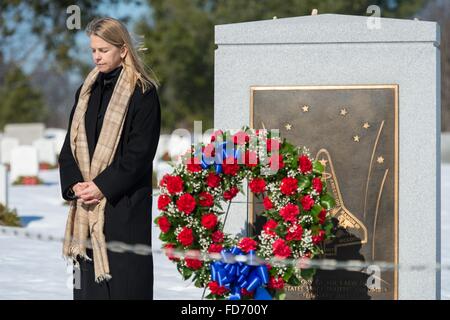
column 163, row 146
column 24, row 162
column 178, row 145
column 25, row 132
column 57, row 136
column 46, row 151
column 6, row 146
column 162, row 168
column 3, row 185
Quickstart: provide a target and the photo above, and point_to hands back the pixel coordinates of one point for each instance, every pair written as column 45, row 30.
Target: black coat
column 127, row 186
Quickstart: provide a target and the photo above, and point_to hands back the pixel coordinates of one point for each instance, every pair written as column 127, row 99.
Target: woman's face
column 106, row 56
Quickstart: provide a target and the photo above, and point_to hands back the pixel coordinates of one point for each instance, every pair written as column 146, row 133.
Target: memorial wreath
column 296, row 207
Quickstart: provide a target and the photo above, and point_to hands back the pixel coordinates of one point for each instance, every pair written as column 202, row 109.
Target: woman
column 106, row 169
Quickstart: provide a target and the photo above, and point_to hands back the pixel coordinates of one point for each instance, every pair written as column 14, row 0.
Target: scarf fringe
column 75, row 253
column 72, row 258
column 103, row 277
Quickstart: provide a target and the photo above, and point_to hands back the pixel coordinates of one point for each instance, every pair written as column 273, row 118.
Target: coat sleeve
column 142, row 141
column 69, row 172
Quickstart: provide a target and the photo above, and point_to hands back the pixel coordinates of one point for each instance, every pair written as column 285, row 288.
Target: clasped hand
column 88, row 192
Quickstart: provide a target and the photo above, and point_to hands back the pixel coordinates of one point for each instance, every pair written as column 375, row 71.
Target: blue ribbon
column 236, row 276
column 222, row 153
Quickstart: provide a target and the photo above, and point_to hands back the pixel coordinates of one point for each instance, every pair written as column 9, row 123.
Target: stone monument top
column 328, row 28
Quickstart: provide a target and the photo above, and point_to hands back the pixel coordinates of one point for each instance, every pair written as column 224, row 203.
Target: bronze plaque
column 353, row 131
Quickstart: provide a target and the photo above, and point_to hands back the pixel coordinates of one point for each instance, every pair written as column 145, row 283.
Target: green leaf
column 316, row 209
column 327, row 201
column 317, row 167
column 287, row 275
column 186, row 273
column 294, row 281
column 328, row 227
column 307, row 274
column 315, row 213
column 280, row 295
column 303, row 182
column 315, row 229
column 198, row 283
column 164, row 236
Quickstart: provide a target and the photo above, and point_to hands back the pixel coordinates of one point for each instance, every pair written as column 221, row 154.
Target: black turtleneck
column 98, row 103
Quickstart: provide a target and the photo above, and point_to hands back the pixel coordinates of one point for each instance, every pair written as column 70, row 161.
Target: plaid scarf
column 85, row 220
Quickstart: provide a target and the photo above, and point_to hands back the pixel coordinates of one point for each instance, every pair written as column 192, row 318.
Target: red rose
column 272, row 145
column 247, row 244
column 174, row 184
column 193, row 264
column 209, row 221
column 322, row 216
column 267, row 203
column 230, row 194
column 212, row 180
column 29, row 180
column 205, row 199
column 216, row 289
column 217, row 236
column 168, row 250
column 281, row 249
column 257, row 185
column 209, row 150
column 185, row 237
column 319, row 237
column 317, row 184
column 163, row 201
column 304, row 164
column 163, row 181
column 164, row 224
column 307, row 202
column 215, row 248
column 230, row 166
column 186, row 203
column 250, row 158
column 289, row 212
column 192, row 167
column 270, row 226
column 289, row 186
column 261, row 132
column 295, row 233
column 241, row 138
column 216, row 134
column 246, row 293
column 276, row 283
column 276, row 162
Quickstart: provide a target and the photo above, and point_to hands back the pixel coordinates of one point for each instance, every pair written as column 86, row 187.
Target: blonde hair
column 114, row 32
